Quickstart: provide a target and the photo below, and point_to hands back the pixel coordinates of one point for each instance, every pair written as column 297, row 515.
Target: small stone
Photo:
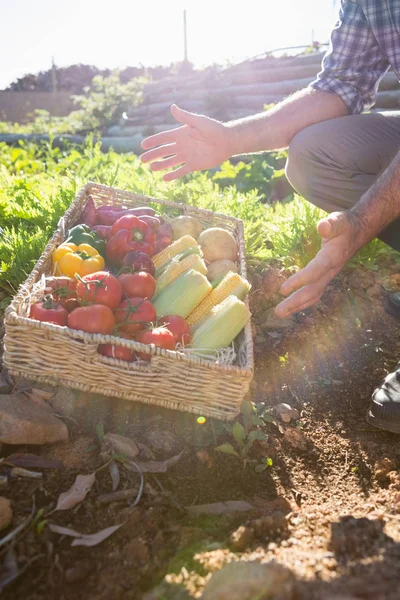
column 241, row 538
column 296, row 439
column 163, row 441
column 248, row 580
column 77, row 573
column 6, row 513
column 286, row 413
column 272, row 321
column 23, row 422
column 64, row 401
column 383, row 467
column 271, row 282
column 205, row 459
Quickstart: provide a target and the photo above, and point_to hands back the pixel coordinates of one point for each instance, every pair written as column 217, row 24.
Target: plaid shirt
column 365, row 42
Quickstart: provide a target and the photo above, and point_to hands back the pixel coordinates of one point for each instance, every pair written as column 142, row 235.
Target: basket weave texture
column 62, row 356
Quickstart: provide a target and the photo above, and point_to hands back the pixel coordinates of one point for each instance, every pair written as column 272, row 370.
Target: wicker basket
column 62, row 356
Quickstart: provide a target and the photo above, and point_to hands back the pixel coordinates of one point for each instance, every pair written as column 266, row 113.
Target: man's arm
column 204, row 143
column 343, row 234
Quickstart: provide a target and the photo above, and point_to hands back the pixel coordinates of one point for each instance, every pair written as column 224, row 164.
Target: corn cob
column 182, row 295
column 176, row 267
column 232, row 283
column 163, row 257
column 220, row 329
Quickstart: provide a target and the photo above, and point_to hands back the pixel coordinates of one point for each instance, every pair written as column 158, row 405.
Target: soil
column 328, row 507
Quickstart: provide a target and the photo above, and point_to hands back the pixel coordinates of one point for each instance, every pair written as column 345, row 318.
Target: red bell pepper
column 129, row 233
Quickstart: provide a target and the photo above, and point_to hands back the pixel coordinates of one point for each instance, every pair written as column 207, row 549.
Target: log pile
column 233, row 92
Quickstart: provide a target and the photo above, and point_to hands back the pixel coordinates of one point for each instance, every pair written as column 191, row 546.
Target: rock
column 77, row 454
column 394, row 479
column 119, row 444
column 382, row 468
column 23, row 422
column 286, row 413
column 264, row 525
column 77, row 573
column 241, row 538
column 361, row 279
column 6, row 384
column 6, row 513
column 295, row 438
column 64, row 401
column 395, row 282
column 271, row 281
column 272, row 321
column 249, row 580
column 205, row 459
column 163, row 441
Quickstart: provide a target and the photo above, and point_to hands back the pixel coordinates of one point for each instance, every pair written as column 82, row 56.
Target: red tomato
column 140, row 284
column 63, row 290
column 160, row 337
column 49, row 311
column 134, row 314
column 94, row 318
column 99, row 288
column 179, row 327
column 118, row 352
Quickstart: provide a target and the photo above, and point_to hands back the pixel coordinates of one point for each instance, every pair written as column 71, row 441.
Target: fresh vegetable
column 179, row 328
column 222, row 326
column 177, row 266
column 186, row 225
column 69, row 259
column 49, row 311
column 103, row 231
column 129, row 233
column 140, row 284
column 138, row 261
column 217, row 244
column 161, row 259
column 159, row 336
column 153, row 222
column 89, row 215
column 99, row 288
column 232, row 283
column 183, row 295
column 107, row 215
column 82, row 234
column 165, row 236
column 63, row 290
column 219, row 268
column 117, row 351
column 95, row 318
column 134, row 314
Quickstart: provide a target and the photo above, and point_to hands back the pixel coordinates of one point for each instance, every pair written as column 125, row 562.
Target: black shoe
column 384, row 410
column 394, row 304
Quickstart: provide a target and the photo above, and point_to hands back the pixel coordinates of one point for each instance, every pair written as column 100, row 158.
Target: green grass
column 38, row 182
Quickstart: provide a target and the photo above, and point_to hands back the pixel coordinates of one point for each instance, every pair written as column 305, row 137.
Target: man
column 344, row 162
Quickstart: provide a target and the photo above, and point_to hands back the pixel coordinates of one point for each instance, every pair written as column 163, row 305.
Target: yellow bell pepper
column 69, row 260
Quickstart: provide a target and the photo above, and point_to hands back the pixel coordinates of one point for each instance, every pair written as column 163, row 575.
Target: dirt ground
column 328, row 507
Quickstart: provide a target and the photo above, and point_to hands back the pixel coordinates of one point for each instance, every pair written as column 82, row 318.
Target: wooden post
column 53, row 76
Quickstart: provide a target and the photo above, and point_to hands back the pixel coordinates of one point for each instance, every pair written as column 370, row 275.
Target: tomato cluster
column 117, row 300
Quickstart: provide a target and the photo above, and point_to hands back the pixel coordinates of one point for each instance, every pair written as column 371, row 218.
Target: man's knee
column 301, row 163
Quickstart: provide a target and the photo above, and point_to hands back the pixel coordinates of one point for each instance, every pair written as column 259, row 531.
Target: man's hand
column 342, row 235
column 202, row 143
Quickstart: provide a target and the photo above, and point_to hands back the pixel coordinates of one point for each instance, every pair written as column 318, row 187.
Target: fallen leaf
column 220, row 508
column 84, row 539
column 114, row 472
column 154, row 466
column 82, row 485
column 33, row 460
column 112, row 443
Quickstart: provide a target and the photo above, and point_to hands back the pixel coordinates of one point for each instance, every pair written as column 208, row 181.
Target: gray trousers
column 333, row 163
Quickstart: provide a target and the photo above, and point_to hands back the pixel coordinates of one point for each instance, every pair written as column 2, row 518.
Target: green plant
column 244, row 437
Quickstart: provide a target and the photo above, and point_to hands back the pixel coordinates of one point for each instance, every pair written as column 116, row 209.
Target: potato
column 218, row 244
column 219, row 268
column 186, row 225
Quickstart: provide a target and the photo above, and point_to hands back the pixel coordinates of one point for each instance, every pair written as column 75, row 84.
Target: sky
column 121, row 33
